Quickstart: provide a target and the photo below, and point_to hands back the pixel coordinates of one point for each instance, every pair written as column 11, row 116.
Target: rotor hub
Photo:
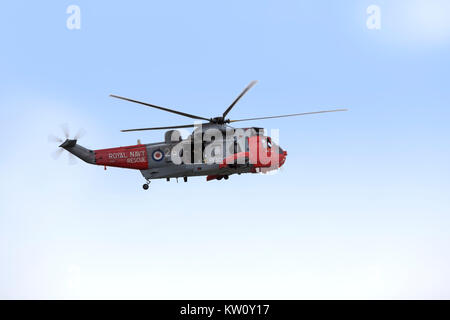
column 218, row 120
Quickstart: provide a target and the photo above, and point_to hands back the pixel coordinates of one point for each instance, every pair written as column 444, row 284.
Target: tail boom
column 132, row 157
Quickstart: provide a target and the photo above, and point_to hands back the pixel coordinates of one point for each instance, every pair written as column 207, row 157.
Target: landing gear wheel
column 145, row 186
column 226, row 177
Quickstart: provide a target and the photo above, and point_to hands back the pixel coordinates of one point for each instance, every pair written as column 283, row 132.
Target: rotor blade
column 53, row 138
column 290, row 115
column 65, row 129
column 159, row 128
column 72, row 159
column 250, row 85
column 80, row 134
column 56, row 154
column 161, row 108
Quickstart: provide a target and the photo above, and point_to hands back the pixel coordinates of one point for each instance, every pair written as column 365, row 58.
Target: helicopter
column 214, row 149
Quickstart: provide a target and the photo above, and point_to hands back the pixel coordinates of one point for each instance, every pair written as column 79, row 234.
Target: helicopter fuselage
column 174, row 159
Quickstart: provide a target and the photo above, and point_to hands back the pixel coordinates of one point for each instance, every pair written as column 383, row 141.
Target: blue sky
column 359, row 210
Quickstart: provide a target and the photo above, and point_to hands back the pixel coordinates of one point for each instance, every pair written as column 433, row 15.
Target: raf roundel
column 157, row 155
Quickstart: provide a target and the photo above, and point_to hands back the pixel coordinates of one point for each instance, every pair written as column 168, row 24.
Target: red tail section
column 132, row 157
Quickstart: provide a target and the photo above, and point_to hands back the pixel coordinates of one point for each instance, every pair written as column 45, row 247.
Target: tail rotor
column 65, row 142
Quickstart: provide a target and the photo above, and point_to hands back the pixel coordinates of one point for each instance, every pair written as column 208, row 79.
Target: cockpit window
column 266, row 143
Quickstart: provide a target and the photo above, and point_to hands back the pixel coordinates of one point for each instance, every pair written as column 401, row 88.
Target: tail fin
column 79, row 151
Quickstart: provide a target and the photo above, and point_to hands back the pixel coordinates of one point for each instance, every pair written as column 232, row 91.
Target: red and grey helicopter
column 214, row 149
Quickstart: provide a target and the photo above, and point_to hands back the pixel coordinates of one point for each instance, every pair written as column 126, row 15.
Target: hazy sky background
column 360, row 209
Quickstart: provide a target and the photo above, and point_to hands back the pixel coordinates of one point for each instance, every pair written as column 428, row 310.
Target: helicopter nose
column 283, row 156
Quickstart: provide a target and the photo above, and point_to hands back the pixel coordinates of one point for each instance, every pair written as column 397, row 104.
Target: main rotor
column 221, row 120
